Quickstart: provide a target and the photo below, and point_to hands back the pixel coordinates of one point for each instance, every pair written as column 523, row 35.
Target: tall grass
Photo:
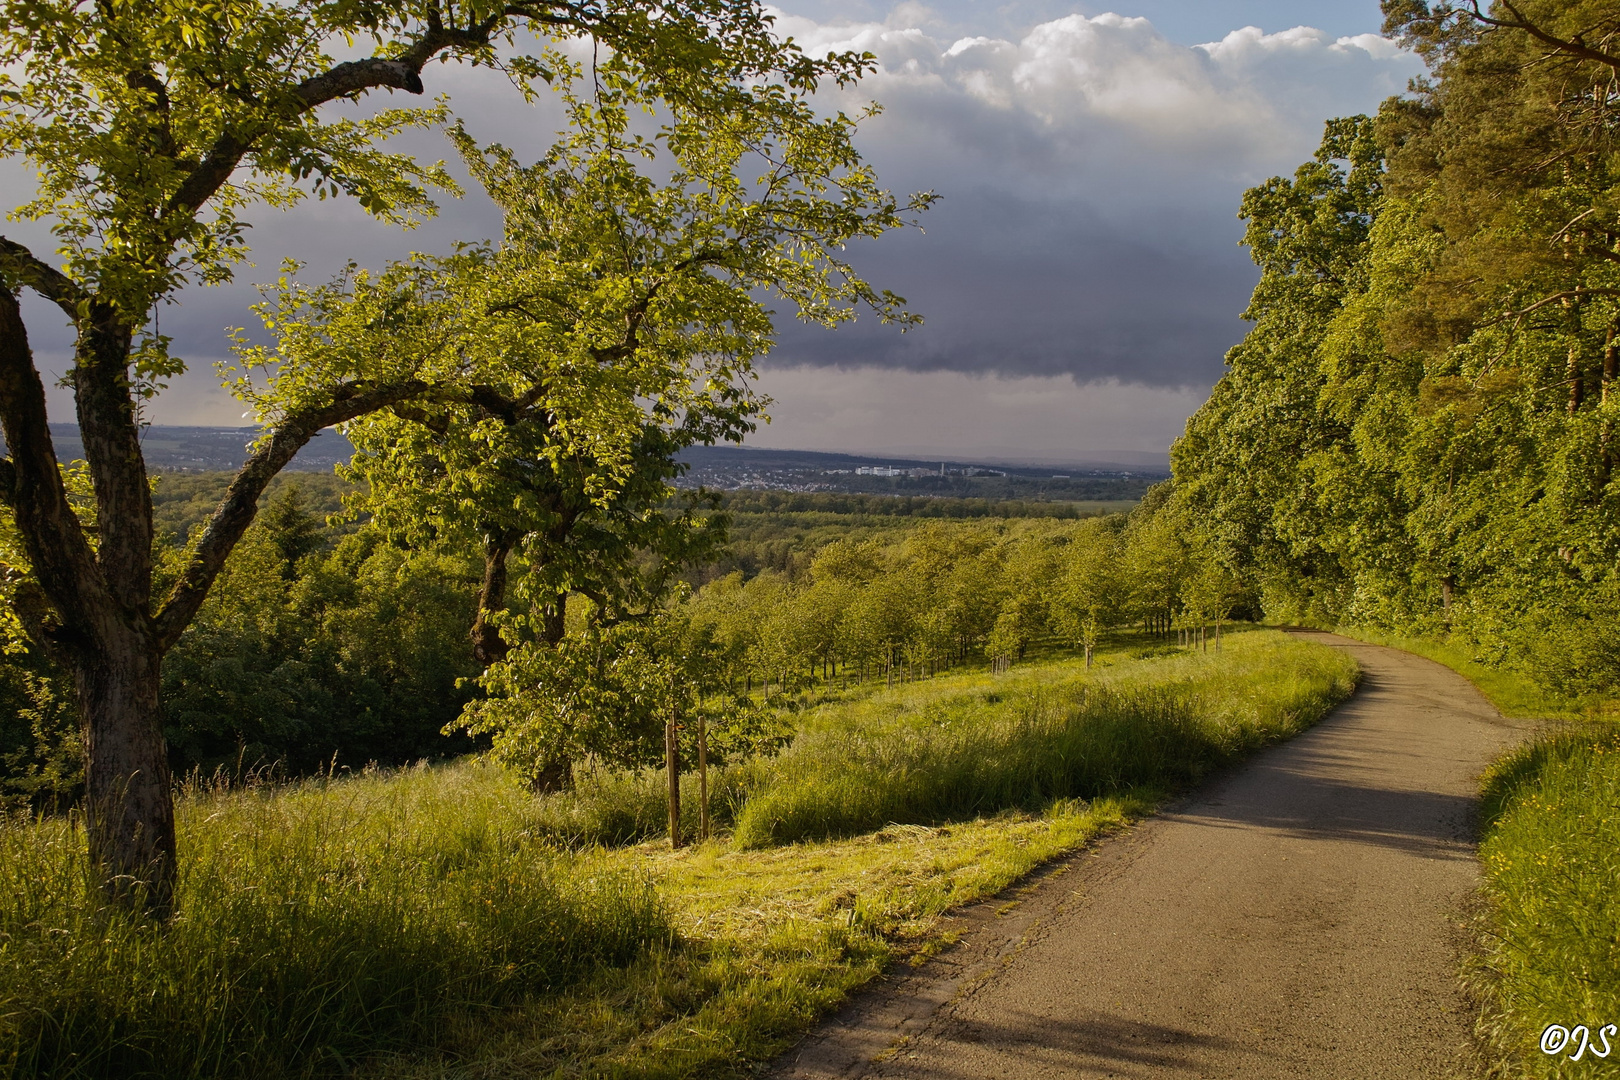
column 328, row 922
column 1161, row 725
column 612, row 807
column 1551, row 856
column 317, row 925
column 959, row 746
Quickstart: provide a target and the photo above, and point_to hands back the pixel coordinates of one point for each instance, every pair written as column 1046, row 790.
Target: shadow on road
column 1092, row 1041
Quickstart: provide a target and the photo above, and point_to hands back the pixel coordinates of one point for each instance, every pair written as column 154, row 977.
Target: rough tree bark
column 488, row 645
column 89, row 603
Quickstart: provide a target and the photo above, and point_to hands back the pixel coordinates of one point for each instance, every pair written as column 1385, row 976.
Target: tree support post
column 672, row 761
column 703, row 778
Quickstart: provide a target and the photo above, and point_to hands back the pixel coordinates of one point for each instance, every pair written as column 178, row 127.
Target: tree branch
column 63, row 564
column 1519, row 22
column 352, row 77
column 1568, row 294
column 241, row 502
column 20, row 264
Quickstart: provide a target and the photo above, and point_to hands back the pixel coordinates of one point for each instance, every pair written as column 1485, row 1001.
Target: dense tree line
column 1419, row 432
column 320, row 646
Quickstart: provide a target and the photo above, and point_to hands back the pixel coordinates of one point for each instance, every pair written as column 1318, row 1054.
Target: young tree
column 618, row 692
column 1090, row 593
column 152, row 132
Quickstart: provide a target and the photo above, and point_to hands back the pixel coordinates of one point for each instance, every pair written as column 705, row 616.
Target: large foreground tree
column 153, row 128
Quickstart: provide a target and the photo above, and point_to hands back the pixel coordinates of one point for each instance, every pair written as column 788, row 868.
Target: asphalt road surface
column 1298, row 917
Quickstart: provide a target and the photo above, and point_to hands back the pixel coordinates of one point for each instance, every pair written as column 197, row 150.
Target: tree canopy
column 1418, row 432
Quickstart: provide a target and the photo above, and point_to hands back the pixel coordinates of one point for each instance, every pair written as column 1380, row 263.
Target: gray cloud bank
column 1091, row 172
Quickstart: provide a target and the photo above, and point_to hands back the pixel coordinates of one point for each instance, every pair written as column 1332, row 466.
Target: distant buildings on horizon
column 885, row 470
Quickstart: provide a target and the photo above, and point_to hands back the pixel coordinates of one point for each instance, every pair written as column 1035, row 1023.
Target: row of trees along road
column 526, row 395
column 1419, row 432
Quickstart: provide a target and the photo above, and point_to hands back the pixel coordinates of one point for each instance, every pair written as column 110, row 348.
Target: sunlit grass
column 1513, row 694
column 317, row 924
column 444, row 923
column 1551, row 857
column 980, row 744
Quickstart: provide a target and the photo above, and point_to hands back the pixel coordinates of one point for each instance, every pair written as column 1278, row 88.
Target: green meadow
column 442, row 921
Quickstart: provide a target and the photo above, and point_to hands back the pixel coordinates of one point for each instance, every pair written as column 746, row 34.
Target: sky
column 1080, row 278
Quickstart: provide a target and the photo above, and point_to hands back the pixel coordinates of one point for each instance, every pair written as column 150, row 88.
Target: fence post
column 703, row 777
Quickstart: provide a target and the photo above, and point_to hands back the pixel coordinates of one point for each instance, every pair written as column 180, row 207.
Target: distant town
column 748, row 468
column 724, row 468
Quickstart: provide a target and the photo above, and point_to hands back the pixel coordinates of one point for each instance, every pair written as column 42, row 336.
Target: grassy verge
column 980, row 745
column 430, row 924
column 1551, row 857
column 769, row 941
column 1511, row 693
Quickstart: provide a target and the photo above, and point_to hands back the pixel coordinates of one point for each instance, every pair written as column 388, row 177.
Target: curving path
column 1297, row 917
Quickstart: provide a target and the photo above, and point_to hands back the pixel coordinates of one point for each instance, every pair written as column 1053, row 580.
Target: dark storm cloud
column 1090, row 173
column 1014, row 288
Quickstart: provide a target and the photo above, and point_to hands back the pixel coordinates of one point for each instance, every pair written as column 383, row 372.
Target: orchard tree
column 613, row 328
column 1090, row 593
column 153, row 131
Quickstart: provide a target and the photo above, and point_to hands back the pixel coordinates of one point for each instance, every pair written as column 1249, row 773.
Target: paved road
column 1298, row 917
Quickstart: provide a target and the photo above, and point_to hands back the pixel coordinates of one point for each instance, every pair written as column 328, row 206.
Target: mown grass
column 770, row 940
column 441, row 922
column 1551, row 857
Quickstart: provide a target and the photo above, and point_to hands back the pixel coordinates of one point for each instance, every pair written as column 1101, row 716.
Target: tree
column 1090, row 593
column 1419, row 432
column 1248, row 466
column 612, row 328
column 152, row 135
column 1157, row 558
column 617, row 692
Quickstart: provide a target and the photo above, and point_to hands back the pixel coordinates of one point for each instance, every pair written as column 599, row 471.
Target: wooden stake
column 703, row 777
column 672, row 760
